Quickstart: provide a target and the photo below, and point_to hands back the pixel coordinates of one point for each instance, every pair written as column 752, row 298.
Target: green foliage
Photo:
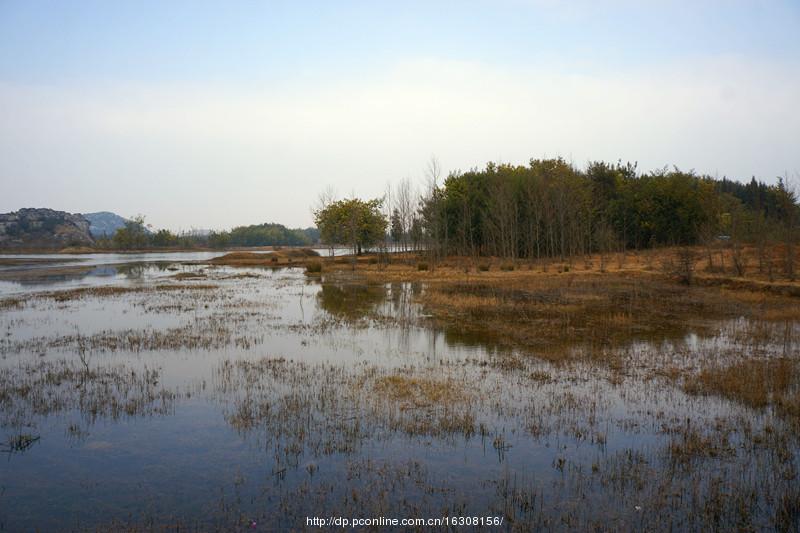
column 269, row 234
column 396, row 230
column 133, row 236
column 354, row 222
column 136, row 235
column 550, row 208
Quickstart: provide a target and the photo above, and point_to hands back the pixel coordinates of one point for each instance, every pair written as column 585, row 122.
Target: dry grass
column 283, row 257
column 42, row 388
column 599, row 312
column 415, row 392
column 753, row 382
column 11, row 303
column 102, row 292
column 323, row 409
column 182, row 276
column 550, row 307
column 647, row 263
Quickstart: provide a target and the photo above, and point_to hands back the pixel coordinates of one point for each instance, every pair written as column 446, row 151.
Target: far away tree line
column 137, row 235
column 551, row 209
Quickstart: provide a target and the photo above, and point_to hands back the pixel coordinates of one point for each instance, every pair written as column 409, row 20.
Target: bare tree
column 404, row 203
column 438, row 226
column 327, row 197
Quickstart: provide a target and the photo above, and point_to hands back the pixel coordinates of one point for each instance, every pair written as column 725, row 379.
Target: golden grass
column 415, row 391
column 753, row 382
column 283, row 257
column 647, row 263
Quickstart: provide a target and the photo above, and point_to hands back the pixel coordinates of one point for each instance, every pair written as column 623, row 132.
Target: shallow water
column 262, row 399
column 85, row 270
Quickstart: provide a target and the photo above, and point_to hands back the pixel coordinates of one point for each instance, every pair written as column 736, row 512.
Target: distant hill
column 43, row 228
column 104, row 223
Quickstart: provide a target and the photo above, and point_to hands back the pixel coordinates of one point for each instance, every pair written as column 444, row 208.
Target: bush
column 314, row 267
column 422, row 266
column 483, row 268
column 373, row 260
column 507, row 267
column 274, row 258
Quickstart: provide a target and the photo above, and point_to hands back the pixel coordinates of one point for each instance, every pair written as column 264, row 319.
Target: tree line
column 137, row 235
column 552, row 209
column 268, row 234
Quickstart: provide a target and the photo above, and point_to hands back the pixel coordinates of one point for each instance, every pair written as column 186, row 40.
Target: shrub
column 314, row 267
column 422, row 266
column 274, row 258
column 508, row 267
column 484, row 267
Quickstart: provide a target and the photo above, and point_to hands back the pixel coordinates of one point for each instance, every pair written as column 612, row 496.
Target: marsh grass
column 569, row 311
column 642, row 404
column 19, row 443
column 11, row 303
column 181, row 276
column 324, row 409
column 203, row 333
column 757, row 383
column 69, row 295
column 32, row 390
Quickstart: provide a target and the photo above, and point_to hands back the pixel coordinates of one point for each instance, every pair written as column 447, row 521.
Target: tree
column 133, row 236
column 355, row 222
column 789, row 214
column 396, row 229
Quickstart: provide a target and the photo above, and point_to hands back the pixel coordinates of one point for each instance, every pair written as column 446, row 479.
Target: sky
column 217, row 114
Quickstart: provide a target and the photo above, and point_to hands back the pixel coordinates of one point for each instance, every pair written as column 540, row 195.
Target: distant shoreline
column 87, row 250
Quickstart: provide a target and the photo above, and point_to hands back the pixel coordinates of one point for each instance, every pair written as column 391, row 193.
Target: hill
column 104, row 223
column 43, row 228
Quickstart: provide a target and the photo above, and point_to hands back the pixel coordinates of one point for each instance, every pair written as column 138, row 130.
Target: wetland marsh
column 173, row 394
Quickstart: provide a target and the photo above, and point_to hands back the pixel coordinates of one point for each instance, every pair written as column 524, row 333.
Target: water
column 254, row 398
column 21, row 273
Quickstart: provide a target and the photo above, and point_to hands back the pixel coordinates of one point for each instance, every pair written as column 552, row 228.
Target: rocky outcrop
column 43, row 228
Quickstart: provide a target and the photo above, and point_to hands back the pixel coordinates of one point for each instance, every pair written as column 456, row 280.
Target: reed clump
column 757, row 383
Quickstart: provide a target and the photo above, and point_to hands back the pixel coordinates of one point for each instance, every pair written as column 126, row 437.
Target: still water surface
column 251, row 398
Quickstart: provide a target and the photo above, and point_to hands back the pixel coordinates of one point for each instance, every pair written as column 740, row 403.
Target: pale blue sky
column 213, row 114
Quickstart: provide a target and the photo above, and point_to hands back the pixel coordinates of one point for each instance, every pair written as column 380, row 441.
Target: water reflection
column 266, row 394
column 350, row 301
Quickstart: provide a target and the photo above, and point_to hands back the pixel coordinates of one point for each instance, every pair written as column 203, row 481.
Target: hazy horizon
column 203, row 116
